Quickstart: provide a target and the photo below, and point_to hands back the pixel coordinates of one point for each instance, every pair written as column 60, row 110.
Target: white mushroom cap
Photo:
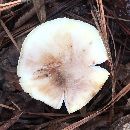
column 57, row 62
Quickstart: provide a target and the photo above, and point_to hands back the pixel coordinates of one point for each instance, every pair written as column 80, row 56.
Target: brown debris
column 39, row 6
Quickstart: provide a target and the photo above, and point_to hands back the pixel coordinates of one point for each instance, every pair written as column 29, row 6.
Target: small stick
column 11, row 121
column 9, row 34
column 10, row 4
column 7, row 107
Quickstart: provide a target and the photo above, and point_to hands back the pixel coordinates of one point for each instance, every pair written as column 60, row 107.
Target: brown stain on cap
column 52, row 69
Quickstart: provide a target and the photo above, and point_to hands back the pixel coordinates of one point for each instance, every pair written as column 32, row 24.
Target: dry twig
column 7, row 107
column 10, row 122
column 10, row 4
column 9, row 34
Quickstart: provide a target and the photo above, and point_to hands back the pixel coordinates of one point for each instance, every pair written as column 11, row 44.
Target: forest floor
column 109, row 109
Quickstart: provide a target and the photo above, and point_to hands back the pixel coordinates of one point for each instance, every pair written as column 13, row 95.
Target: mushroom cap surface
column 57, row 62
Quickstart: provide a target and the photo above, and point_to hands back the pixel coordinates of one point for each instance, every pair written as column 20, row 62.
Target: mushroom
column 57, row 63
